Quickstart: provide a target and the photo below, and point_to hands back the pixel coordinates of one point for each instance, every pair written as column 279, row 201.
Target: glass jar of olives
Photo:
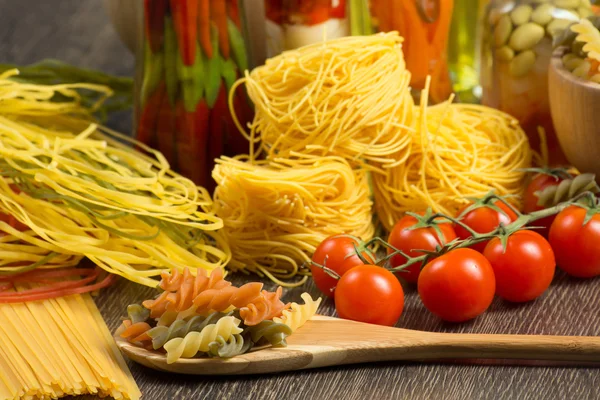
column 517, row 48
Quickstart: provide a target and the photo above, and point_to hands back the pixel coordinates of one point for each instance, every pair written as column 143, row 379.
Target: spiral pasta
column 182, row 289
column 590, row 35
column 297, row 314
column 346, row 97
column 229, row 348
column 267, row 306
column 180, row 328
column 195, row 342
column 276, row 212
column 459, row 151
column 272, row 332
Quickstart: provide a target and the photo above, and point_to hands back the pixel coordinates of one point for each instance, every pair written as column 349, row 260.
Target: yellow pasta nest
column 458, row 151
column 276, row 212
column 347, row 97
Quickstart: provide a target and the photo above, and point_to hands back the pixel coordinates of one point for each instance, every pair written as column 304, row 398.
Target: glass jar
column 295, row 23
column 516, row 54
column 425, row 25
column 464, row 46
column 192, row 53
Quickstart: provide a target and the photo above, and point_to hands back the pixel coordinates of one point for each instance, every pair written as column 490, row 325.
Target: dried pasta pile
column 277, row 212
column 207, row 316
column 350, row 98
column 60, row 347
column 76, row 190
column 459, row 151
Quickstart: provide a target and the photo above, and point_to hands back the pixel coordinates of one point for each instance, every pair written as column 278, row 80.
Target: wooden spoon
column 326, row 341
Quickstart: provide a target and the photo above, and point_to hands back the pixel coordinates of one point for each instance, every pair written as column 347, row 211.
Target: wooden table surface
column 78, row 32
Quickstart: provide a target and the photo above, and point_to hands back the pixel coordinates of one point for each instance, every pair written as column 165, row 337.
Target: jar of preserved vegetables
column 517, row 48
column 191, row 54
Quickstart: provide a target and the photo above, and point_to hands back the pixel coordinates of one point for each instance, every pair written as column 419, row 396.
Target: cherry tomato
column 538, row 183
column 484, row 220
column 523, row 270
column 338, row 254
column 457, row 286
column 411, row 241
column 576, row 246
column 371, row 294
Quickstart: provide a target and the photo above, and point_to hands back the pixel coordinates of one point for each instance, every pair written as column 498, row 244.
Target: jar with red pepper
column 193, row 52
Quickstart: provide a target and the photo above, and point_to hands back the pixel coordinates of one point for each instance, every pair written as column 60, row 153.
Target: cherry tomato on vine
column 411, row 241
column 576, row 246
column 338, row 254
column 539, row 183
column 371, row 294
column 484, row 220
column 523, row 270
column 457, row 286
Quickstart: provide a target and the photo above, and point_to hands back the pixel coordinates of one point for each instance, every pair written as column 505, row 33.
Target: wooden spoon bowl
column 327, row 341
column 575, row 107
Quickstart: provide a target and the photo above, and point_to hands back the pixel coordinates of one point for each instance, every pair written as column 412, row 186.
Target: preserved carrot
column 185, row 20
column 148, row 119
column 154, row 22
column 218, row 11
column 204, row 27
column 234, row 12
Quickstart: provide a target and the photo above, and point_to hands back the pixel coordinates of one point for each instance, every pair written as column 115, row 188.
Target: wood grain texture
column 78, row 32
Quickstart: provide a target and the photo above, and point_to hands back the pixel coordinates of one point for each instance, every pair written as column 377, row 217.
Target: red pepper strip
column 192, row 142
column 165, row 131
column 185, row 20
column 50, row 294
column 339, row 11
column 233, row 10
column 148, row 120
column 204, row 27
column 218, row 12
column 235, row 142
column 220, row 128
column 48, row 274
column 154, row 22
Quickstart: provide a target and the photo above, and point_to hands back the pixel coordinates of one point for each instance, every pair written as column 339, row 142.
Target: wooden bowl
column 575, row 107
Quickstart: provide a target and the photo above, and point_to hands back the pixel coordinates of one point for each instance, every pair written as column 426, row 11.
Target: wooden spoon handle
column 558, row 348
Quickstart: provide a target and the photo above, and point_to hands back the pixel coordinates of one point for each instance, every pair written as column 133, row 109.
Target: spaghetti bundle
column 77, row 190
column 60, row 347
column 346, row 97
column 458, row 151
column 276, row 212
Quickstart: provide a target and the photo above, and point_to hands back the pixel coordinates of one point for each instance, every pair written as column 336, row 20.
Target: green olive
column 522, row 64
column 542, row 15
column 502, row 30
column 526, row 36
column 521, row 14
column 505, row 53
column 557, row 26
column 566, row 3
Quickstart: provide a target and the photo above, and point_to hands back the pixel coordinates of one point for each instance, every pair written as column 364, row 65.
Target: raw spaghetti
column 346, row 97
column 459, row 151
column 277, row 212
